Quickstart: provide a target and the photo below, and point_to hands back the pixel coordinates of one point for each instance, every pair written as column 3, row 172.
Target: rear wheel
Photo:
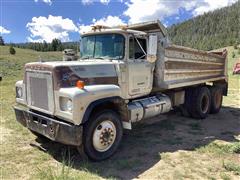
column 216, row 99
column 102, row 135
column 200, row 102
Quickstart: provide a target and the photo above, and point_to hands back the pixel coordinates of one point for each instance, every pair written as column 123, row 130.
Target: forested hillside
column 55, row 45
column 212, row 30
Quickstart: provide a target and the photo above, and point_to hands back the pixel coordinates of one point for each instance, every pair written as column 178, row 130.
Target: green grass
column 221, row 148
column 12, row 65
column 166, row 149
column 233, row 167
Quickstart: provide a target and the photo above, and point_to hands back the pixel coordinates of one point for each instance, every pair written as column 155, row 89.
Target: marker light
column 80, row 84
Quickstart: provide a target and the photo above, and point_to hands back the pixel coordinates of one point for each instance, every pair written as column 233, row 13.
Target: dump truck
column 125, row 74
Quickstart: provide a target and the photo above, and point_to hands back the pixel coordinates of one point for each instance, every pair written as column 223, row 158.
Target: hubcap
column 104, row 136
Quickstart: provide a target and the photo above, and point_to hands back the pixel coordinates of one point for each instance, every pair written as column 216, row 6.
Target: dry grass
column 170, row 147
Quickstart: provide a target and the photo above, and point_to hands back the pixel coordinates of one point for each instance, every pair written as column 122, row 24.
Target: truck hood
column 67, row 73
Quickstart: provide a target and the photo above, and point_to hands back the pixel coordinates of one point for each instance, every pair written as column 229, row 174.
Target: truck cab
column 120, row 78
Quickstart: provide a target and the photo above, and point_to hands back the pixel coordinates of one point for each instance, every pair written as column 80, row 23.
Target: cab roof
column 138, row 29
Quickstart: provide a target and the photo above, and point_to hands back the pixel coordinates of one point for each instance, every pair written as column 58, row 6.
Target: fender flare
column 93, row 104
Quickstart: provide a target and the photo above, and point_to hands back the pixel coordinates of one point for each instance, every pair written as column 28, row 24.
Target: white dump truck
column 124, row 75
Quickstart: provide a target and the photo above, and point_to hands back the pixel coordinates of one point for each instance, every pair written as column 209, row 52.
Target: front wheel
column 102, row 135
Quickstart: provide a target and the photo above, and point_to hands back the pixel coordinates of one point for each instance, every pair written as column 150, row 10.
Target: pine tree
column 45, row 46
column 56, row 45
column 1, row 41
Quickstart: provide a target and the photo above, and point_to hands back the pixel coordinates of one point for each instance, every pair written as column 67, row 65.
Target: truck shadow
column 141, row 148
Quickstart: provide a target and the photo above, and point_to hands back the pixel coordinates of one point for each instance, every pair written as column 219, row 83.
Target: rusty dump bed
column 178, row 66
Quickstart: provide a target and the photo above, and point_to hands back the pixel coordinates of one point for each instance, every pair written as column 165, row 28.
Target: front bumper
column 51, row 128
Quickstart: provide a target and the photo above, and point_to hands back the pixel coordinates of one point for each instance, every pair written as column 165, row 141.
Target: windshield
column 102, row 46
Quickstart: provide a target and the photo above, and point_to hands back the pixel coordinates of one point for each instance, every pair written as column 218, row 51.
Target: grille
column 40, row 91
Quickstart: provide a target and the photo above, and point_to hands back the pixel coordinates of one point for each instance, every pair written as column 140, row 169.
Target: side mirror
column 152, row 48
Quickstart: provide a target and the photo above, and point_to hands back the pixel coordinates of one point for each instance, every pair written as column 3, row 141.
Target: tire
column 186, row 107
column 102, row 135
column 216, row 99
column 200, row 102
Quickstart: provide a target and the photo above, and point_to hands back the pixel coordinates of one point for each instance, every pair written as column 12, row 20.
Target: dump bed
column 178, row 66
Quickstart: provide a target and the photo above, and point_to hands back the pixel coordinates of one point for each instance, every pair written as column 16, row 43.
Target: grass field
column 164, row 147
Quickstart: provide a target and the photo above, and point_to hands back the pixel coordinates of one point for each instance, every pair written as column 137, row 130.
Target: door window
column 137, row 48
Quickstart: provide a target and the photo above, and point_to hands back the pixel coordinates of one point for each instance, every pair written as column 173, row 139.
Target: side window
column 137, row 48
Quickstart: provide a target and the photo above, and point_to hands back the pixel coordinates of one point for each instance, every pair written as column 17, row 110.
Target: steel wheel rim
column 104, row 136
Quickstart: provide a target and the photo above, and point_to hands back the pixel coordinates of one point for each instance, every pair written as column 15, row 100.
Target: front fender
column 82, row 98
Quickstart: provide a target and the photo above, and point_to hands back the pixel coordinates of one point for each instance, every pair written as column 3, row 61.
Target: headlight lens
column 19, row 92
column 69, row 105
column 66, row 104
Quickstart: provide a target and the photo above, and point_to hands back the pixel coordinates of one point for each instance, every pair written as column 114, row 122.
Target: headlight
column 66, row 104
column 69, row 105
column 19, row 92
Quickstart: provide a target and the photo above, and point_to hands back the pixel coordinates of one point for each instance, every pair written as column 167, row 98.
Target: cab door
column 140, row 71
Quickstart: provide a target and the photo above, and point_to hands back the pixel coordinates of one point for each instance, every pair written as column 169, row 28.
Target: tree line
column 55, row 45
column 212, row 30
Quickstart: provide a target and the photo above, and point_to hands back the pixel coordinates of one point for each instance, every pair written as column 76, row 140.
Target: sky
column 39, row 20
